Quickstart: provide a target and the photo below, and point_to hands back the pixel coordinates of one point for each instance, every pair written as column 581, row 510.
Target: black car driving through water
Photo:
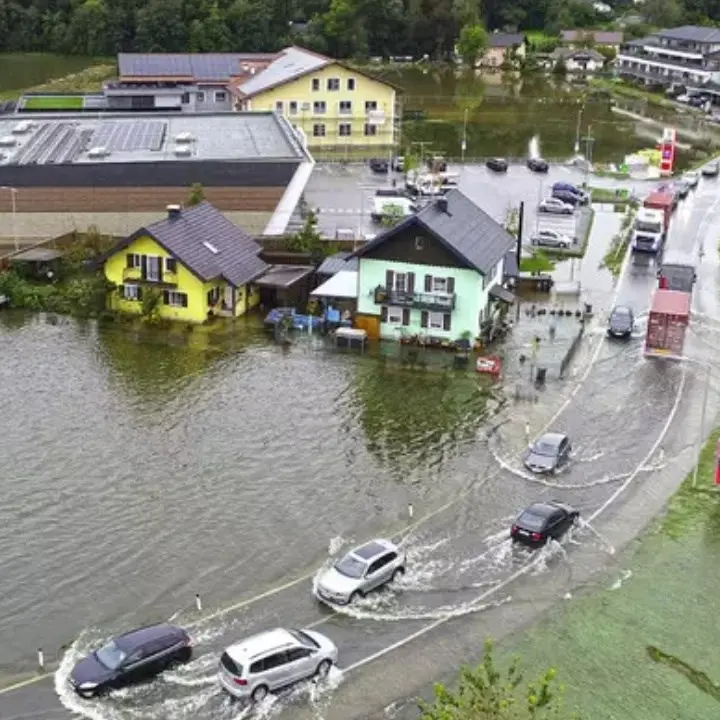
column 497, row 164
column 549, row 453
column 621, row 322
column 543, row 521
column 131, row 658
column 538, row 165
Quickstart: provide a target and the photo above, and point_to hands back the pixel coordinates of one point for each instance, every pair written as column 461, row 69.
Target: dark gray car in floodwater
column 621, row 322
column 548, row 454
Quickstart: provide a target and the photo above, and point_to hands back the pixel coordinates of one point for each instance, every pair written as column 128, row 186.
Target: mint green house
column 435, row 275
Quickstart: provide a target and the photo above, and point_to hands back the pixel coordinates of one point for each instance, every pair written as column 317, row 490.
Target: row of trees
column 341, row 28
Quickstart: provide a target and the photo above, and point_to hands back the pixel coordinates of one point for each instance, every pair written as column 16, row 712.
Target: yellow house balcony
column 436, row 302
column 161, row 278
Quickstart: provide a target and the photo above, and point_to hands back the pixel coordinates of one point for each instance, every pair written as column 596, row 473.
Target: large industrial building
column 120, row 171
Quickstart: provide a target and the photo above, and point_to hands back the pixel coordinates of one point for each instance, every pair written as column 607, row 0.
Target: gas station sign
column 667, row 151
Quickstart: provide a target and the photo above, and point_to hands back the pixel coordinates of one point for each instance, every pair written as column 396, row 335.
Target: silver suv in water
column 363, row 569
column 275, row 659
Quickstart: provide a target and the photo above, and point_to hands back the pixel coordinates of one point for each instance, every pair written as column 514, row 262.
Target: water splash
column 336, row 545
column 625, row 575
column 585, row 525
column 534, row 147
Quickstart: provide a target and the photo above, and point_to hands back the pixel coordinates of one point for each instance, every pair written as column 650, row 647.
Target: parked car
column 379, row 166
column 271, row 660
column 621, row 322
column 497, row 164
column 131, row 658
column 691, row 178
column 398, row 163
column 567, row 197
column 548, row 454
column 556, row 206
column 543, row 521
column 559, row 188
column 363, row 569
column 551, row 239
column 683, row 189
column 538, row 165
column 711, row 169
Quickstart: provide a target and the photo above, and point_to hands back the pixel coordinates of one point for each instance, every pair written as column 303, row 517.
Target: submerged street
column 140, row 473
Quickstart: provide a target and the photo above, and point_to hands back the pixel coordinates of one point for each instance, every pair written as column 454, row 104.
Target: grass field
column 54, row 102
column 645, row 646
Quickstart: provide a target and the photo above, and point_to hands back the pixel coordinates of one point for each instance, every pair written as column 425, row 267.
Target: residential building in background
column 195, row 263
column 502, row 47
column 435, row 275
column 688, row 55
column 577, row 39
column 334, row 104
column 119, row 171
column 580, row 60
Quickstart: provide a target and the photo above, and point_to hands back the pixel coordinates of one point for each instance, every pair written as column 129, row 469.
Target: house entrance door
column 229, row 300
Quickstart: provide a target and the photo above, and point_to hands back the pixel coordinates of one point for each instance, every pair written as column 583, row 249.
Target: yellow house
column 333, row 104
column 194, row 263
column 501, row 47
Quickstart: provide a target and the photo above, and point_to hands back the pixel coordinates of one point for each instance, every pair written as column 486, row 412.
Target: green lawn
column 54, row 102
column 646, row 649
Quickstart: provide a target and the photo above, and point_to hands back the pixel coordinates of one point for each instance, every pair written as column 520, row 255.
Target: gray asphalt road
column 459, row 588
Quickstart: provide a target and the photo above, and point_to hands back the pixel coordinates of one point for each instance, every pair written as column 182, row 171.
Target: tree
column 308, row 239
column 472, row 43
column 662, row 13
column 196, row 196
column 488, row 693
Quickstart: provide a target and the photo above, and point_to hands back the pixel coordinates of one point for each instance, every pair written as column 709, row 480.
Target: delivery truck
column 667, row 324
column 652, row 222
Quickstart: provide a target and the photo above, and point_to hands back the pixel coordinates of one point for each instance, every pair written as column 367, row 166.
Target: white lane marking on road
column 523, row 570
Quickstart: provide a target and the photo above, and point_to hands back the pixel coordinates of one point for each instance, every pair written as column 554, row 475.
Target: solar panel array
column 127, row 136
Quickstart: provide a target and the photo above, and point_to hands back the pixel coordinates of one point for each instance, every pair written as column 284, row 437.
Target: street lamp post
column 577, row 130
column 463, row 147
column 13, row 192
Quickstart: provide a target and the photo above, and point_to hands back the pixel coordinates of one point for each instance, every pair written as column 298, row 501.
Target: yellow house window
column 319, row 107
column 345, row 107
column 351, row 84
column 370, row 130
column 319, row 130
column 344, row 129
column 370, row 105
column 333, row 84
column 293, row 107
column 279, row 107
column 315, row 84
column 175, row 299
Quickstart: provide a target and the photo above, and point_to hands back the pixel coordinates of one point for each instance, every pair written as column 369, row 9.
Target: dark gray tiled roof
column 200, row 66
column 600, row 37
column 184, row 236
column 337, row 262
column 465, row 228
column 570, row 54
column 499, row 40
column 692, row 33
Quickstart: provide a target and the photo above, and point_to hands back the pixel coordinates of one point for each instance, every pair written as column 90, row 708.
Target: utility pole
column 463, row 147
column 577, row 129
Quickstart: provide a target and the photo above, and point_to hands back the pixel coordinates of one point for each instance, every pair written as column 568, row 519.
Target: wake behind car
column 543, row 521
column 549, row 453
column 621, row 322
column 363, row 569
column 551, row 239
column 556, row 206
column 271, row 660
column 499, row 165
column 538, row 165
column 131, row 658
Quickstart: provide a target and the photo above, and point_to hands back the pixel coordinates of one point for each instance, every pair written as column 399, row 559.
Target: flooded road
column 143, row 473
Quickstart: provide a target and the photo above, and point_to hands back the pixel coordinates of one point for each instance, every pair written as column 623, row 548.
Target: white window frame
column 220, row 96
column 400, row 287
column 317, row 105
column 293, row 107
column 279, row 107
column 201, row 96
column 370, row 130
column 335, row 82
column 345, row 111
column 175, row 298
column 394, row 315
column 319, row 130
column 136, row 262
column 439, row 285
column 370, row 106
column 131, row 292
column 343, row 127
column 419, row 242
column 432, row 320
column 351, row 84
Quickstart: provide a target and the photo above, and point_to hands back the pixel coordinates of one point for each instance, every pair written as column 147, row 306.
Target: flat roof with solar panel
column 80, row 139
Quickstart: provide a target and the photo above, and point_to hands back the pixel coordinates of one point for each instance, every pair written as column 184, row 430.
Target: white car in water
column 555, row 206
column 551, row 239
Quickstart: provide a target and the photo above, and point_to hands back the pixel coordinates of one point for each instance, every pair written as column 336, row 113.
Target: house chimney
column 173, row 211
column 442, row 204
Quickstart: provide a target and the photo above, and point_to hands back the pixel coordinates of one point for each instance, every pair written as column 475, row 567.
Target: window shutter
column 446, row 321
column 184, row 298
column 389, row 279
column 166, row 297
column 406, row 316
column 411, row 282
column 424, row 318
column 451, row 285
column 139, row 293
column 121, row 290
column 428, row 283
column 170, row 265
column 383, row 313
column 129, row 260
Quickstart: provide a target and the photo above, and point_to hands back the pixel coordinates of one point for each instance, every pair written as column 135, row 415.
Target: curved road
column 465, row 582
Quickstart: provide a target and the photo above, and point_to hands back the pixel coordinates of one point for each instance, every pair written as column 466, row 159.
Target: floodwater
column 141, row 469
column 20, row 71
